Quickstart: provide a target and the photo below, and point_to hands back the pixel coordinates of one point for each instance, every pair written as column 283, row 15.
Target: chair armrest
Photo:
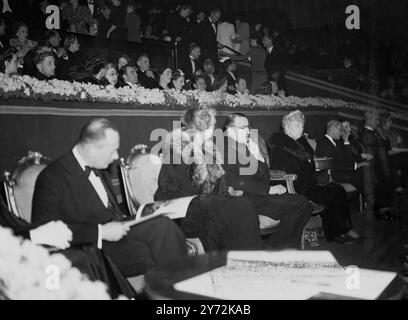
column 277, row 175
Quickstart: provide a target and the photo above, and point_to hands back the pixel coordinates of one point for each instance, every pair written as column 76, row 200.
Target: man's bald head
column 99, row 142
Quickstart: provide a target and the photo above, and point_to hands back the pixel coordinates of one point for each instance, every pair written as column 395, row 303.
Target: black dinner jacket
column 208, row 40
column 274, row 61
column 343, row 159
column 257, row 183
column 187, row 68
column 145, row 81
column 63, row 192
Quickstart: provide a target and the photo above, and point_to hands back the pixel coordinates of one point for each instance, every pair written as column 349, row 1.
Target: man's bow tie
column 89, row 169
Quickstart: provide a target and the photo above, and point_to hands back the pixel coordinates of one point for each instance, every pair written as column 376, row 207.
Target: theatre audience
column 207, row 35
column 165, row 76
column 229, row 71
column 145, row 75
column 128, row 76
column 246, row 165
column 76, row 189
column 95, row 70
column 78, row 16
column 22, row 43
column 117, row 19
column 111, row 76
column 241, row 86
column 384, row 170
column 289, row 151
column 209, row 72
column 53, row 40
column 177, row 80
column 332, row 145
column 192, row 166
column 199, row 83
column 220, row 86
column 132, row 23
column 191, row 64
column 370, row 141
column 72, row 62
column 123, row 61
column 8, row 62
column 45, row 64
column 256, row 56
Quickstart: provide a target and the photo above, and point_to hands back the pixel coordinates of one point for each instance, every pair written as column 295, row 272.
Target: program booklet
column 174, row 209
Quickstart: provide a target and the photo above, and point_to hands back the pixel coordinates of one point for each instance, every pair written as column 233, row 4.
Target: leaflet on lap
column 174, row 209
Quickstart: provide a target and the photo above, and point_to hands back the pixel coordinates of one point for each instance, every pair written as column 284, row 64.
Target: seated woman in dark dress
column 290, row 152
column 192, row 166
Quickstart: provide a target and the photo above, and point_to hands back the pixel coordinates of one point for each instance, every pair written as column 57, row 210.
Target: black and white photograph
column 231, row 152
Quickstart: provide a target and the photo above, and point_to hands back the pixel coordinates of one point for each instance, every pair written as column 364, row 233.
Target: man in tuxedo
column 242, row 147
column 229, row 70
column 344, row 166
column 275, row 62
column 128, row 77
column 45, row 64
column 207, row 32
column 191, row 64
column 349, row 75
column 73, row 189
column 145, row 75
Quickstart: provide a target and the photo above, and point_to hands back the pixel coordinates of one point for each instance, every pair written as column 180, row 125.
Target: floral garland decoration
column 23, row 273
column 26, row 87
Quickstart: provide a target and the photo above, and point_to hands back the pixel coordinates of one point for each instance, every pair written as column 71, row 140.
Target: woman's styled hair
column 293, row 116
column 69, row 41
column 198, row 118
column 95, row 64
column 219, row 81
column 162, row 69
column 176, row 75
column 6, row 56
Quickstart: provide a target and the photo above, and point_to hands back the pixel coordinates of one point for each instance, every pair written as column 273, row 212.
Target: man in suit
column 144, row 74
column 45, row 64
column 191, row 64
column 349, row 75
column 242, row 147
column 128, row 76
column 275, row 62
column 344, row 165
column 72, row 189
column 207, row 32
column 229, row 70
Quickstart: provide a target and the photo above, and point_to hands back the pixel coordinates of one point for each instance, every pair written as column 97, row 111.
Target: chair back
column 8, row 185
column 142, row 174
column 23, row 182
column 24, row 189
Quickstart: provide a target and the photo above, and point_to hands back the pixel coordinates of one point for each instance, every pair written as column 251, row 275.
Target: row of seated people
column 75, row 189
column 48, row 60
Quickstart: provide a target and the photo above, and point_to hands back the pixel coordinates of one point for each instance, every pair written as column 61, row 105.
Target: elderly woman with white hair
column 289, row 151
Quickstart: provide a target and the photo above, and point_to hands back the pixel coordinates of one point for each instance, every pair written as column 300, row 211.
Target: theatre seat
column 20, row 186
column 313, row 227
column 144, row 167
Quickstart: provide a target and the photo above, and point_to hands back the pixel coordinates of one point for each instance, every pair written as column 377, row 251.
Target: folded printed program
column 293, row 275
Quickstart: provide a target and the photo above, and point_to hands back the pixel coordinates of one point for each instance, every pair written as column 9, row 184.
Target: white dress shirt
column 98, row 186
column 193, row 65
column 6, row 7
column 331, row 140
